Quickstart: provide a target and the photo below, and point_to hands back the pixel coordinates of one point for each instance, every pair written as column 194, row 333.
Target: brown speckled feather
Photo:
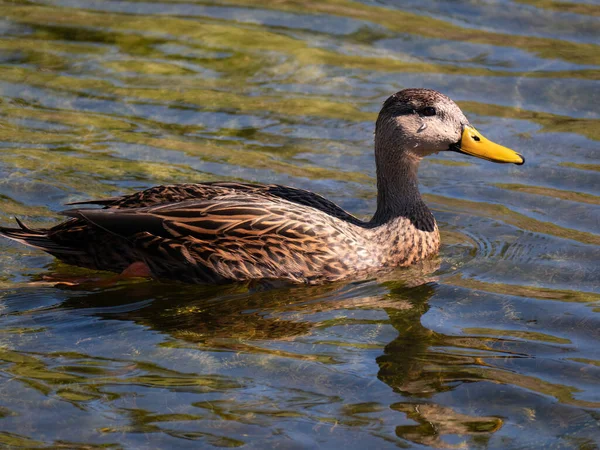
column 219, row 232
column 230, row 232
column 206, row 191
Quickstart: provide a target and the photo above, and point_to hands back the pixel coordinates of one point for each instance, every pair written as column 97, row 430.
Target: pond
column 493, row 344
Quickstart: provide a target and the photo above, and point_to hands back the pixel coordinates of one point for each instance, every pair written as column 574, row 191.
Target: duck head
column 414, row 123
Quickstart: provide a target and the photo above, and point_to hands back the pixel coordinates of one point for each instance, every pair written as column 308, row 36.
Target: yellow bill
column 473, row 143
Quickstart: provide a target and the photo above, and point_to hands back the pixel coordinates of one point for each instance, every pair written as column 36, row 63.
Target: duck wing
column 235, row 236
column 159, row 195
column 205, row 232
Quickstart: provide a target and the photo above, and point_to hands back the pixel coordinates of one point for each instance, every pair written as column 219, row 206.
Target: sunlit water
column 495, row 344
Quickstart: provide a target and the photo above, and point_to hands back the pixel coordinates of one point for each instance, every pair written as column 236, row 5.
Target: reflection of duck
column 226, row 316
column 408, row 366
column 235, row 318
column 216, row 232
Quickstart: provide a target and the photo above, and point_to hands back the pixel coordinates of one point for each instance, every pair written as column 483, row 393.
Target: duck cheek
column 423, row 151
column 434, row 145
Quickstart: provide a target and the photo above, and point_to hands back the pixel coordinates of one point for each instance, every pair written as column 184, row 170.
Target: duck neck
column 398, row 193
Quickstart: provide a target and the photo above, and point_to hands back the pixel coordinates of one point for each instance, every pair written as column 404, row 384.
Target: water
column 495, row 344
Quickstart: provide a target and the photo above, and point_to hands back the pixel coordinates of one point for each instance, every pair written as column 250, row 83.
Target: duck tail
column 37, row 238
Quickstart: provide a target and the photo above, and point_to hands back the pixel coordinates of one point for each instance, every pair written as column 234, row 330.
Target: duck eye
column 428, row 111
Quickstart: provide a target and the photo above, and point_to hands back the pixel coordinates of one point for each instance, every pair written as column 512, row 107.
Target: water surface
column 494, row 344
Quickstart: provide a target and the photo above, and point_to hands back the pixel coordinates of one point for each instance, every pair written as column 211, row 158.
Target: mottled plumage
column 221, row 232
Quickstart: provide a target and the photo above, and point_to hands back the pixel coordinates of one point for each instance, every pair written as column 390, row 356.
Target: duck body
column 223, row 232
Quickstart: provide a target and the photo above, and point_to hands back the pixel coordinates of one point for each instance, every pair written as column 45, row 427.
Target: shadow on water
column 259, row 323
column 226, row 316
column 427, row 370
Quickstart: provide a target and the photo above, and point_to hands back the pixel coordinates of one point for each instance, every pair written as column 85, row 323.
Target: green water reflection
column 494, row 344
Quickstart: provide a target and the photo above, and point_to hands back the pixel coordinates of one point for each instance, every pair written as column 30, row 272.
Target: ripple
column 494, row 343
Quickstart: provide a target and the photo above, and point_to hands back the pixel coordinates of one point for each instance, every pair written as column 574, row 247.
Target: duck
column 220, row 232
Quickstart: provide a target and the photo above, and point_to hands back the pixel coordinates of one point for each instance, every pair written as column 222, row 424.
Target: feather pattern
column 218, row 232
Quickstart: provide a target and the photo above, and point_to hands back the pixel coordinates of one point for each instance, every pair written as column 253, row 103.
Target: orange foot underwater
column 138, row 269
